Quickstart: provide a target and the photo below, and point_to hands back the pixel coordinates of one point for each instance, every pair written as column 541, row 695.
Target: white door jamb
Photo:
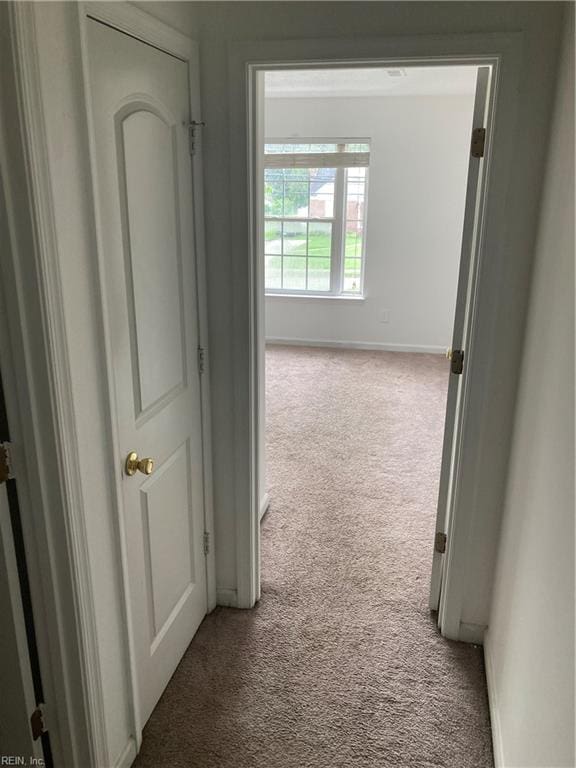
column 39, row 403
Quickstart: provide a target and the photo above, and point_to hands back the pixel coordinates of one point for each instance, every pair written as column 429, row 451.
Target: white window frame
column 338, row 221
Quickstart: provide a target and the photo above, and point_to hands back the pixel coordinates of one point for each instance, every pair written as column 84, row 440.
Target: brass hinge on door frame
column 457, row 361
column 5, row 463
column 478, row 142
column 38, row 722
column 440, row 542
column 456, row 357
column 192, row 128
column 201, row 359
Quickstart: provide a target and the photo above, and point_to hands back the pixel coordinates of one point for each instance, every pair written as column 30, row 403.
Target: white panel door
column 140, row 114
column 462, row 327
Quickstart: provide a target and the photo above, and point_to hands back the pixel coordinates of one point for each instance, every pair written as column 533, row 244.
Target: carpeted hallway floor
column 340, row 665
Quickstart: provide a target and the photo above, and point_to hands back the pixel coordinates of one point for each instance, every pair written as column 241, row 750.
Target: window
column 315, row 216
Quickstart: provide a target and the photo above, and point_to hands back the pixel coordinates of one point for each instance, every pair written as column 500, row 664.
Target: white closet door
column 140, row 103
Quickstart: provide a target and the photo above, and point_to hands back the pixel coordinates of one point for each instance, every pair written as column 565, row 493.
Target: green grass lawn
column 318, row 267
column 319, row 245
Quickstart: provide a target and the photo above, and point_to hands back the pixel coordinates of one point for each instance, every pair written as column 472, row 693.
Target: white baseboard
column 227, row 597
column 374, row 345
column 264, row 504
column 491, row 684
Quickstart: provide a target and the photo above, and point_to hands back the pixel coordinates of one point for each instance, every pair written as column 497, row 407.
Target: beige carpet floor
column 340, row 665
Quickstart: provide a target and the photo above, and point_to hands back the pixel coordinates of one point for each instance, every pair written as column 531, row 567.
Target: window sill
column 329, row 296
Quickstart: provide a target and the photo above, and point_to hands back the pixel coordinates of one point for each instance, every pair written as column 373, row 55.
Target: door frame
column 503, row 53
column 34, row 359
column 36, row 363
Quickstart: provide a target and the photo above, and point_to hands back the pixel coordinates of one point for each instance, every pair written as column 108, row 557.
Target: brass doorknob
column 134, row 464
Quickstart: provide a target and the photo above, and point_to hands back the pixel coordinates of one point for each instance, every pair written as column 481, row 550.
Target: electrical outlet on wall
column 384, row 315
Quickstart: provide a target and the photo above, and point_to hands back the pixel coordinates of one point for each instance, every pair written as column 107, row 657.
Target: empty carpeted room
column 287, row 384
column 365, row 187
column 366, row 209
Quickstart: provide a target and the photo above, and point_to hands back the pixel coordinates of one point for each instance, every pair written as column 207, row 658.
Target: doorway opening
column 368, row 204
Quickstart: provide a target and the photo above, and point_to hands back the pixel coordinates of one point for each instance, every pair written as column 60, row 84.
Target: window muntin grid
column 314, row 238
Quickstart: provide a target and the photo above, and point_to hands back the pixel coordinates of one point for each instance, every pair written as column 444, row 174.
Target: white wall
column 417, row 184
column 530, row 642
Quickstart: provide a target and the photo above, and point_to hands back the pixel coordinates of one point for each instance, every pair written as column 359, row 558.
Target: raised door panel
column 168, row 541
column 153, row 259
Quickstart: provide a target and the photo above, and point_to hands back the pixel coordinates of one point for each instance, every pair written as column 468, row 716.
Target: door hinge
column 192, row 135
column 478, row 142
column 206, row 542
column 440, row 542
column 457, row 361
column 5, row 463
column 37, row 722
column 201, row 359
